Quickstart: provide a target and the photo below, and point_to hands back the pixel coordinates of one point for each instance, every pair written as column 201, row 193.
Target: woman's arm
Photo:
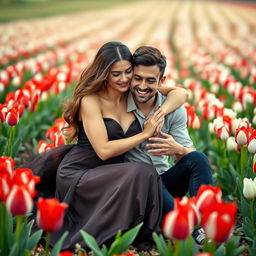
column 175, row 97
column 95, row 129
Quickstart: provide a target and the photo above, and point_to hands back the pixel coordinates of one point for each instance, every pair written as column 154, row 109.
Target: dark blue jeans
column 187, row 175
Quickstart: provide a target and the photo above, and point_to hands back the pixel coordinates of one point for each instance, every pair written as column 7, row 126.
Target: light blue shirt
column 175, row 124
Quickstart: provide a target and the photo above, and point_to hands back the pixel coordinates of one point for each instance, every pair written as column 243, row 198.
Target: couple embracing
column 126, row 124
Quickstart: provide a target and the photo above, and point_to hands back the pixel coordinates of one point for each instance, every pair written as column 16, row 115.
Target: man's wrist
column 182, row 151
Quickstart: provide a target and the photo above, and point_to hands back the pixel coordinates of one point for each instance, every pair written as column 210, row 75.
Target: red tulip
column 178, row 223
column 60, row 123
column 51, row 131
column 65, row 253
column 218, row 221
column 7, row 164
column 5, row 185
column 195, row 122
column 208, row 113
column 58, row 139
column 191, row 204
column 3, row 110
column 25, row 177
column 50, row 214
column 19, row 201
column 203, row 254
column 12, row 117
column 223, row 133
column 206, row 196
column 44, row 146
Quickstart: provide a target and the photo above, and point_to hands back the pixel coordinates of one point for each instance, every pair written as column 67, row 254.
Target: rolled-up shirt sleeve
column 178, row 128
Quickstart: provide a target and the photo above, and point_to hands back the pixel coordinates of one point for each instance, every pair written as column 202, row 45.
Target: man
column 190, row 168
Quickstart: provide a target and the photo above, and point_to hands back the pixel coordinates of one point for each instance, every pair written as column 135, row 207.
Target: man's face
column 145, row 82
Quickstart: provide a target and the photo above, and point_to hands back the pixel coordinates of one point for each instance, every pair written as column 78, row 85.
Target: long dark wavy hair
column 91, row 81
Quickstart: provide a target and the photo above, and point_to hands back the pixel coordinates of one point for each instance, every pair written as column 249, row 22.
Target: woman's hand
column 159, row 127
column 156, row 120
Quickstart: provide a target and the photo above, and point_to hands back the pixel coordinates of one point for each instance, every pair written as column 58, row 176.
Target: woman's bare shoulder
column 90, row 99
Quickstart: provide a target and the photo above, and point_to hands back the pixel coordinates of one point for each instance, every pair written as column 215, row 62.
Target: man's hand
column 166, row 146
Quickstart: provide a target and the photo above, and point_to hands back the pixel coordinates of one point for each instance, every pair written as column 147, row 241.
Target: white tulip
column 249, row 190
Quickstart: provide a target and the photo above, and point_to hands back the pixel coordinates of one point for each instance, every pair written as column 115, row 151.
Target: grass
column 16, row 10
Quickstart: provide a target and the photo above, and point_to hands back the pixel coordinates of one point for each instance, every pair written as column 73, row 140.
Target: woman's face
column 120, row 76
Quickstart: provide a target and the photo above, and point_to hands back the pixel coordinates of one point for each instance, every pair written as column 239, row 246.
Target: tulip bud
column 237, row 107
column 206, row 195
column 242, row 136
column 218, row 221
column 7, row 164
column 5, row 185
column 231, row 144
column 44, row 146
column 203, row 254
column 252, row 145
column 178, row 223
column 249, row 190
column 223, row 133
column 191, row 204
column 58, row 139
column 19, row 201
column 50, row 214
column 65, row 253
column 3, row 110
column 196, row 122
column 12, row 117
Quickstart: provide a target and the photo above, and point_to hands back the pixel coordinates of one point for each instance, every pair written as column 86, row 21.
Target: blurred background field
column 22, row 9
column 14, row 10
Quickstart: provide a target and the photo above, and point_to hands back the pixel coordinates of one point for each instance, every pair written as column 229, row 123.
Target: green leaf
column 16, row 146
column 34, row 239
column 104, row 249
column 14, row 250
column 220, row 250
column 232, row 246
column 160, row 244
column 91, row 243
column 124, row 241
column 57, row 247
column 244, row 207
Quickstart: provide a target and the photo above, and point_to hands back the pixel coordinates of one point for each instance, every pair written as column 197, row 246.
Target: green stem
column 19, row 220
column 2, row 227
column 225, row 156
column 10, row 141
column 243, row 160
column 47, row 242
column 252, row 214
column 177, row 247
column 209, row 246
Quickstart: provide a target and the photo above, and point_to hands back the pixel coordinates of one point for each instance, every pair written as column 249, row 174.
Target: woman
column 104, row 193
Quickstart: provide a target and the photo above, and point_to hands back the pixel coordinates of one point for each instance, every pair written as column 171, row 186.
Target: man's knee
column 197, row 156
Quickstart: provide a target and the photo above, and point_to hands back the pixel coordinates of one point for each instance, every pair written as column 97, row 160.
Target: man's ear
column 162, row 79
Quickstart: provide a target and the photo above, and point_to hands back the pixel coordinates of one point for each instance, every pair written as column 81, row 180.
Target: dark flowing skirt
column 103, row 200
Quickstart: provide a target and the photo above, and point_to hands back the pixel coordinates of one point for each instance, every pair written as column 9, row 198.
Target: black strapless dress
column 103, row 196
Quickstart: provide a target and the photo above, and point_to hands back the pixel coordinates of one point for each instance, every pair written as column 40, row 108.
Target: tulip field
column 210, row 48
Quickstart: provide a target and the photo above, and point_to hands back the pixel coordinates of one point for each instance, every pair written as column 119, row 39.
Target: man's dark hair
column 149, row 56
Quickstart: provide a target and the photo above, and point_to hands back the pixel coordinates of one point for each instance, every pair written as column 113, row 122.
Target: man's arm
column 167, row 146
column 175, row 97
